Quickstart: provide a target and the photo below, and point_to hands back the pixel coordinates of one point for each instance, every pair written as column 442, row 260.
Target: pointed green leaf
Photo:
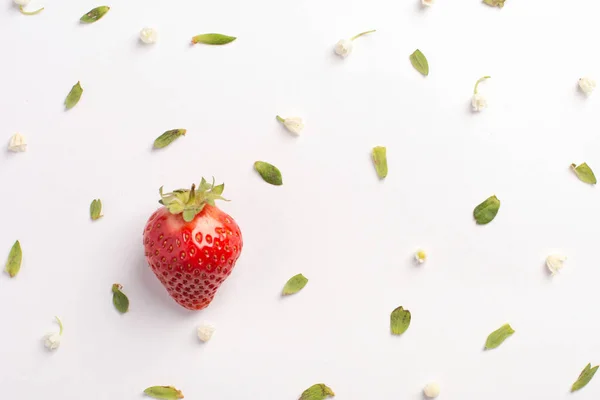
column 495, row 3
column 73, row 96
column 13, row 264
column 218, row 190
column 585, row 377
column 496, row 338
column 94, row 15
column 419, row 61
column 269, row 173
column 584, row 173
column 380, row 160
column 212, row 38
column 320, row 391
column 168, row 137
column 120, row 301
column 399, row 320
column 96, row 209
column 164, row 392
column 294, row 284
column 189, row 214
column 485, row 212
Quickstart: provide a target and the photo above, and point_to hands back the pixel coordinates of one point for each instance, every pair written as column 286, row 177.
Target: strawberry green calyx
column 191, row 202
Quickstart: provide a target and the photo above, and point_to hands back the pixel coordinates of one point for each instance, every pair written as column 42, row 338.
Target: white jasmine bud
column 52, row 339
column 587, row 85
column 554, row 262
column 149, row 35
column 292, row 124
column 205, row 332
column 478, row 102
column 344, row 47
column 431, row 390
column 17, row 143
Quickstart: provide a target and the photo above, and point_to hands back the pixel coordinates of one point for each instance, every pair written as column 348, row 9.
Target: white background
column 332, row 220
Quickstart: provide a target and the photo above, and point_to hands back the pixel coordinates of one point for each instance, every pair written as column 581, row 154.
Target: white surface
column 353, row 236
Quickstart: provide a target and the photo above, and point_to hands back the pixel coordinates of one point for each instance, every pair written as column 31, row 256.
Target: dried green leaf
column 585, row 377
column 496, row 338
column 399, row 320
column 96, row 209
column 120, row 301
column 495, row 3
column 269, row 173
column 73, row 96
column 163, row 392
column 213, row 38
column 294, row 284
column 419, row 61
column 13, row 264
column 320, row 391
column 584, row 173
column 485, row 212
column 380, row 160
column 168, row 137
column 94, row 15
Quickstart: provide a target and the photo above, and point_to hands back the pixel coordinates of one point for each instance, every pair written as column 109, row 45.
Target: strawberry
column 191, row 245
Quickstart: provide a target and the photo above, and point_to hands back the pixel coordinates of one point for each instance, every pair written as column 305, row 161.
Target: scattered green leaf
column 269, row 173
column 96, row 209
column 585, row 377
column 120, row 301
column 168, row 137
column 380, row 160
column 73, row 96
column 94, row 15
column 485, row 212
column 399, row 320
column 584, row 173
column 419, row 61
column 496, row 338
column 294, row 284
column 213, row 38
column 13, row 264
column 320, row 391
column 164, row 392
column 495, row 3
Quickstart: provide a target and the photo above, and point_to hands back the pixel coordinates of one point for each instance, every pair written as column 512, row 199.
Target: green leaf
column 120, row 301
column 218, row 190
column 380, row 160
column 94, row 15
column 168, row 137
column 485, row 212
column 212, row 38
column 495, row 3
column 164, row 392
column 294, row 284
column 13, row 264
column 269, row 173
column 496, row 338
column 73, row 96
column 584, row 173
column 189, row 214
column 399, row 320
column 320, row 391
column 96, row 209
column 419, row 61
column 585, row 377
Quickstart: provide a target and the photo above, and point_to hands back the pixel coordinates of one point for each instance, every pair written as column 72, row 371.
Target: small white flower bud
column 292, row 124
column 427, row 2
column 22, row 3
column 344, row 47
column 587, row 85
column 554, row 263
column 205, row 332
column 17, row 143
column 149, row 35
column 431, row 390
column 478, row 102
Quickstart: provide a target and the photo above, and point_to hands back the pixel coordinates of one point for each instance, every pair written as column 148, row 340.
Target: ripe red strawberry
column 191, row 245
